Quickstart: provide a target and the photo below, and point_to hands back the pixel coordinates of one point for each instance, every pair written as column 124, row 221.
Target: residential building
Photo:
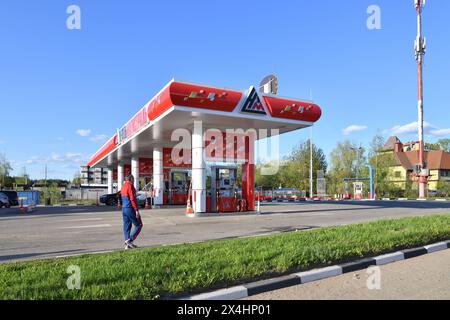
column 406, row 159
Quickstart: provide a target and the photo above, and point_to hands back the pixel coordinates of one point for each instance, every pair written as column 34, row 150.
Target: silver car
column 4, row 201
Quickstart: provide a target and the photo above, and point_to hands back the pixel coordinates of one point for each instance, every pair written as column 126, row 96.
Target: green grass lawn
column 165, row 272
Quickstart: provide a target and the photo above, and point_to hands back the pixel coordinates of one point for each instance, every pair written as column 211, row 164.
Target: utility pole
column 311, row 157
column 311, row 165
column 45, row 175
column 419, row 46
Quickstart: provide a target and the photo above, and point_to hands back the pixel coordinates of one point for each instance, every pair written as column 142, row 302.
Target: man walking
column 130, row 212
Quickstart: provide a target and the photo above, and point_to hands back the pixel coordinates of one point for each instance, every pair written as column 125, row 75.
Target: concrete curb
column 250, row 289
column 381, row 199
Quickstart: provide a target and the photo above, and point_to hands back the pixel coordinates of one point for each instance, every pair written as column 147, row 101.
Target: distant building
column 93, row 183
column 97, row 176
column 406, row 157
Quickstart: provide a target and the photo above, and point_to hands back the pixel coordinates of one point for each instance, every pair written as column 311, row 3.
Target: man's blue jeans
column 130, row 219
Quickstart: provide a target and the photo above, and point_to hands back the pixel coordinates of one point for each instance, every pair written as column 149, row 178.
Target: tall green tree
column 268, row 181
column 293, row 171
column 297, row 171
column 5, row 169
column 52, row 193
column 445, row 144
column 23, row 179
column 347, row 161
column 432, row 146
column 381, row 162
column 76, row 178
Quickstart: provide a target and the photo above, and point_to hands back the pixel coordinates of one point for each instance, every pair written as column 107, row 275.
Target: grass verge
column 165, row 272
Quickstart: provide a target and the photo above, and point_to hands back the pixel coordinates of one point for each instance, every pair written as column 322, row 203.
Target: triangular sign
column 253, row 103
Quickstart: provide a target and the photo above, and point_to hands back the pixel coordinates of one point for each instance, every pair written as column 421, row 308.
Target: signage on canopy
column 253, row 103
column 133, row 126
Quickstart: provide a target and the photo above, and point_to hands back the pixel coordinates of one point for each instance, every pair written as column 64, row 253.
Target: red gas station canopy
column 179, row 104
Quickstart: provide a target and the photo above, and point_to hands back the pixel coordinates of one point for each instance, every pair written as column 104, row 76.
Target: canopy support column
column 110, row 180
column 135, row 170
column 198, row 169
column 248, row 173
column 120, row 176
column 158, row 176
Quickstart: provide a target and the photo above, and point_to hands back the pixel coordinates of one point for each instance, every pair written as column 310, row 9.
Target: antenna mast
column 419, row 48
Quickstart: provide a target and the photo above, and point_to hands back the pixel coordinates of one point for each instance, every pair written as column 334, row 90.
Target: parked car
column 12, row 196
column 113, row 199
column 4, row 201
column 110, row 199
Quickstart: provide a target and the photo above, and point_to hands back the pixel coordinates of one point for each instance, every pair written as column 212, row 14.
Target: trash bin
column 47, row 201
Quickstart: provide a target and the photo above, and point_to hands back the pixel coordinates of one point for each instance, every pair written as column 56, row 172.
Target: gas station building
column 189, row 140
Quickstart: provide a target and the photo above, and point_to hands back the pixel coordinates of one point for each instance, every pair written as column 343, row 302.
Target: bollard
column 259, row 203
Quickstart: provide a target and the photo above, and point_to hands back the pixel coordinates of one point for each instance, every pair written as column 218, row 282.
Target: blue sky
column 55, row 82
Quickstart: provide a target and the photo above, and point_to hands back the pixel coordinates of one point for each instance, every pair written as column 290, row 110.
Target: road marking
column 91, row 226
column 86, row 219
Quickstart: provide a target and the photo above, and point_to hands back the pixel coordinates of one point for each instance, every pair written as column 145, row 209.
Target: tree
column 445, row 144
column 52, row 193
column 5, row 169
column 443, row 189
column 347, row 161
column 77, row 179
column 23, row 179
column 267, row 181
column 381, row 162
column 293, row 171
column 432, row 146
column 297, row 171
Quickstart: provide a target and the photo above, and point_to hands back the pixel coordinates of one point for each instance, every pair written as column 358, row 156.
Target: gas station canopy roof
column 180, row 104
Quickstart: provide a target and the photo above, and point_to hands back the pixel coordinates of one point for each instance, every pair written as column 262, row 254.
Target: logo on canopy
column 253, row 103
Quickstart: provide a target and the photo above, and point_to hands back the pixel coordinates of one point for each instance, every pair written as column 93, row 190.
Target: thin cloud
column 69, row 158
column 84, row 132
column 100, row 137
column 353, row 128
column 413, row 127
column 440, row 132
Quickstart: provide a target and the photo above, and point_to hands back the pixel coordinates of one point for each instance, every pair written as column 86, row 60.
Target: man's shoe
column 128, row 245
column 133, row 245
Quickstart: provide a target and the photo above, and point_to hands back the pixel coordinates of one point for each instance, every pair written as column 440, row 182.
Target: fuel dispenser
column 178, row 187
column 223, row 195
column 358, row 190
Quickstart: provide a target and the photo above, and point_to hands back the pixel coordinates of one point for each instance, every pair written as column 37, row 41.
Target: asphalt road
column 53, row 232
column 423, row 278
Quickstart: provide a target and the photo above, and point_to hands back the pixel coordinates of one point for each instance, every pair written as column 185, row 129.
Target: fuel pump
column 358, row 190
column 179, row 187
column 224, row 189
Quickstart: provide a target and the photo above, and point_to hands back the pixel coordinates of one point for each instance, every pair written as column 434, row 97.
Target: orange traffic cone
column 146, row 202
column 189, row 209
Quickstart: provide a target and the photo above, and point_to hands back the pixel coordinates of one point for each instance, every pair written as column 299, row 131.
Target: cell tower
column 419, row 48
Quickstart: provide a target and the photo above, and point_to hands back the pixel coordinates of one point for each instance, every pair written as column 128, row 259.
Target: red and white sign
column 253, row 103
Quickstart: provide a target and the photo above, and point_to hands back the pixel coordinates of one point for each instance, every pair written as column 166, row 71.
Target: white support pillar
column 110, row 180
column 158, row 176
column 198, row 169
column 135, row 171
column 120, row 177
